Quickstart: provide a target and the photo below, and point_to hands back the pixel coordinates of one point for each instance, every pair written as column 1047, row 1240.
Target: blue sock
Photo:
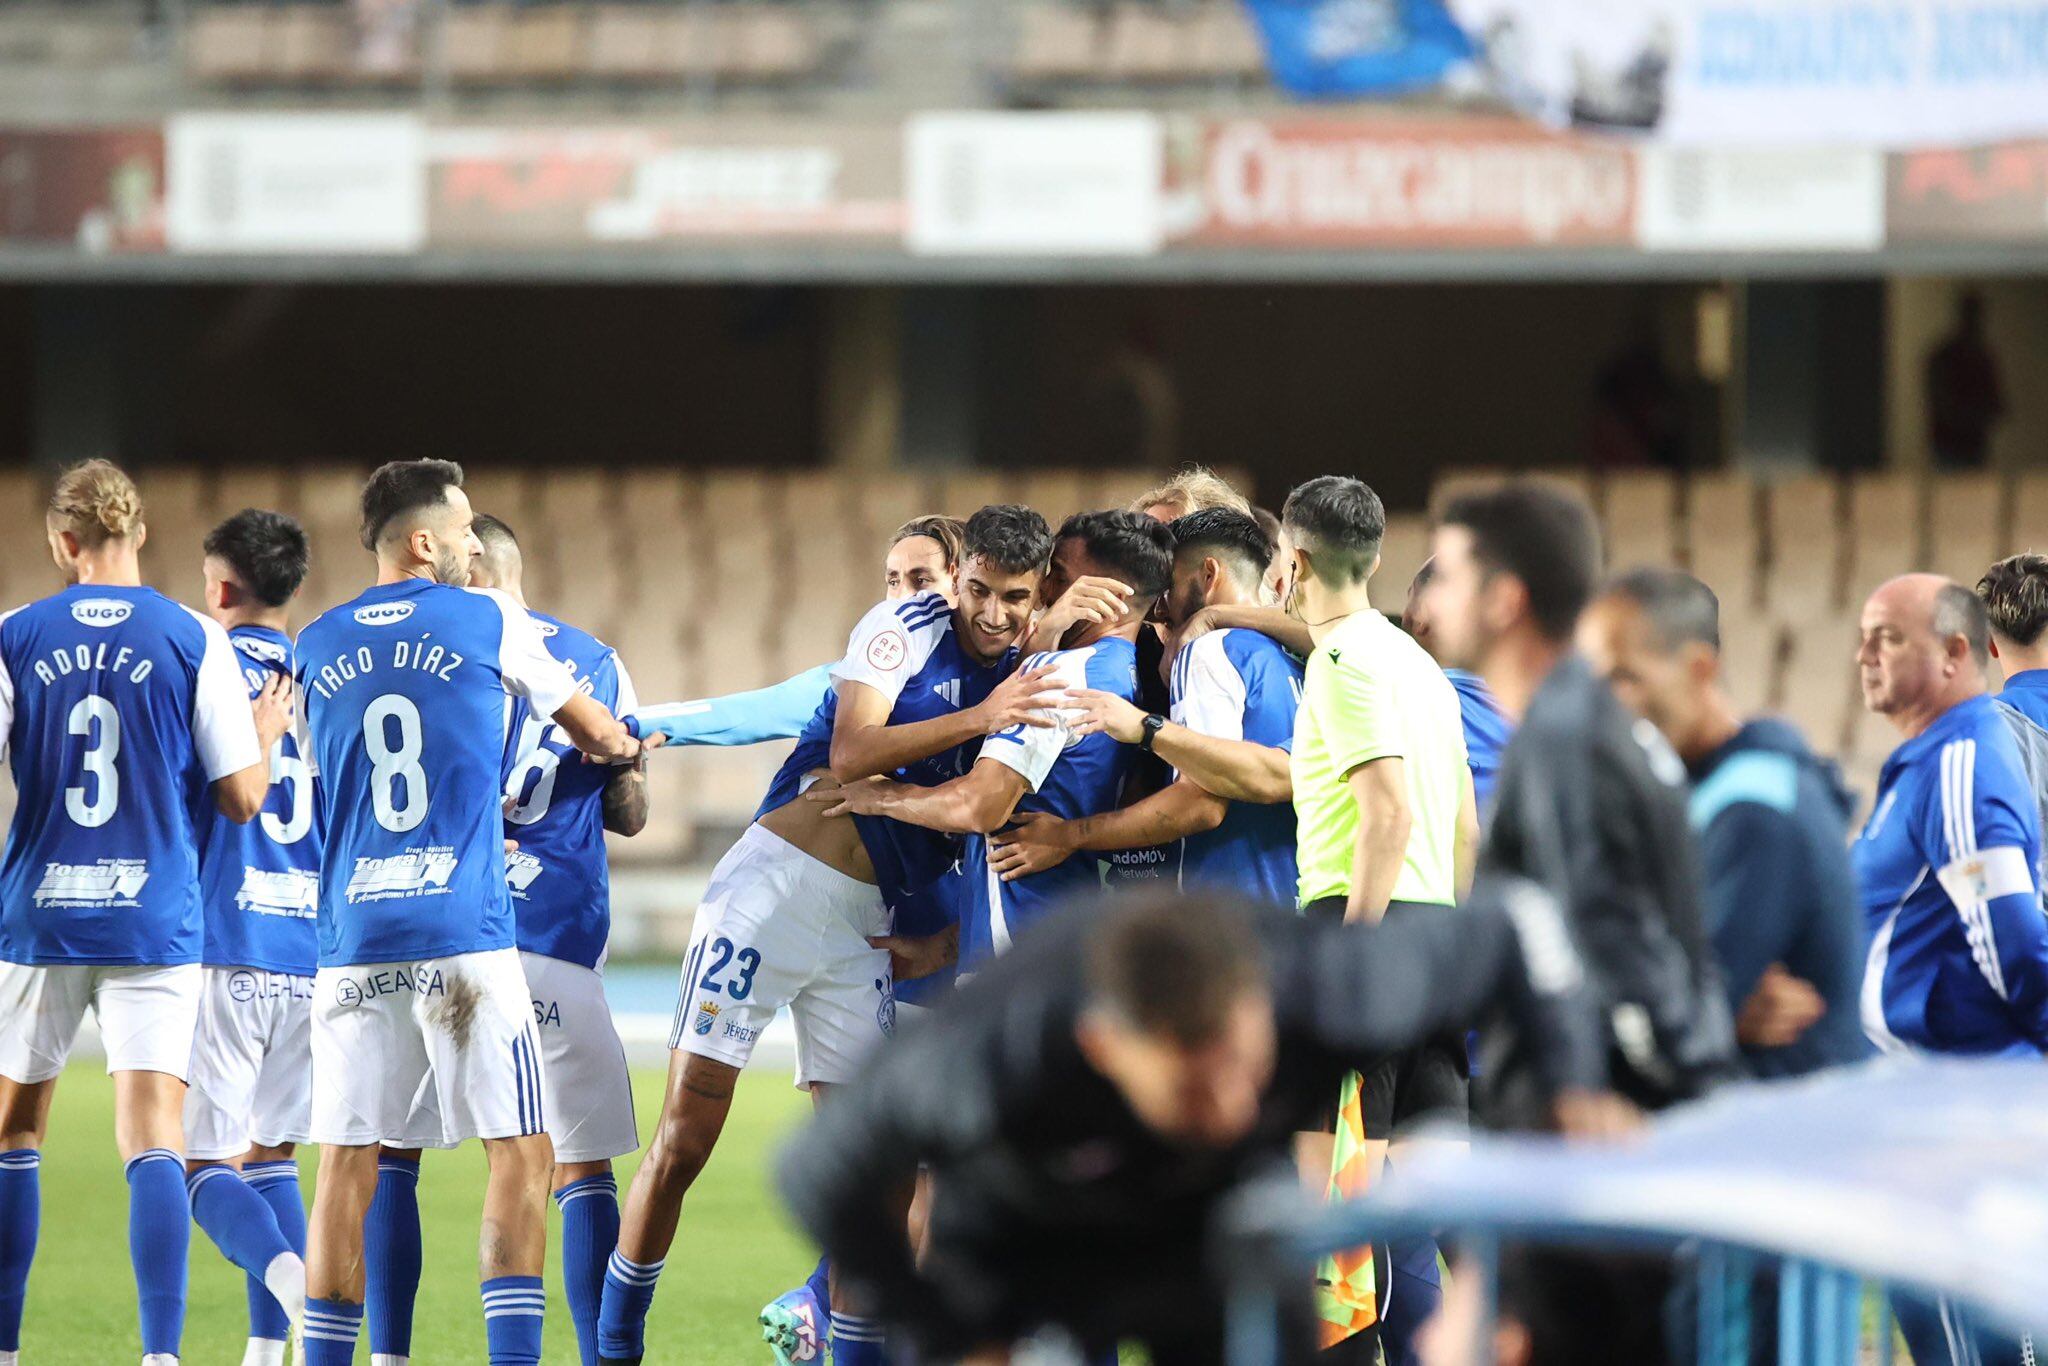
column 820, row 1284
column 391, row 1252
column 236, row 1218
column 1415, row 1293
column 856, row 1341
column 622, row 1321
column 590, row 1233
column 277, row 1183
column 330, row 1334
column 514, row 1309
column 159, row 1232
column 21, row 1213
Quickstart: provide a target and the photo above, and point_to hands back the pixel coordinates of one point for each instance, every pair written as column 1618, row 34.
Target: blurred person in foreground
column 1771, row 817
column 1588, row 805
column 2015, row 596
column 1094, row 1097
column 1949, row 865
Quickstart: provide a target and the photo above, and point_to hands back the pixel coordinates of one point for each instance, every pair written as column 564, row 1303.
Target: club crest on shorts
column 707, row 1017
column 885, row 1011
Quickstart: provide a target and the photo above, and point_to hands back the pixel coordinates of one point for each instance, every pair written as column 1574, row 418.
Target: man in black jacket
column 1086, row 1103
column 1589, row 804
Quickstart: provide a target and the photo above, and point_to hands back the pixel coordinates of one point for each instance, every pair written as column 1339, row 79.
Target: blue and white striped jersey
column 1241, row 685
column 404, row 694
column 908, row 652
column 119, row 708
column 261, row 881
column 559, row 875
column 1067, row 775
column 1958, row 945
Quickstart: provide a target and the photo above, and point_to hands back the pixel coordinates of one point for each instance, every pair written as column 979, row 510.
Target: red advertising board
column 574, row 187
column 1468, row 184
column 96, row 189
column 1992, row 193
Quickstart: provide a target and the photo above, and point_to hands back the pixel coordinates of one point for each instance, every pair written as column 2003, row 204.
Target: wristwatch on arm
column 1151, row 726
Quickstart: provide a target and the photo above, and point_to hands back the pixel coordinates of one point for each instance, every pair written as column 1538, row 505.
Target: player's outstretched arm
column 1235, row 770
column 592, row 728
column 1267, row 621
column 776, row 712
column 1039, row 841
column 976, row 803
column 865, row 745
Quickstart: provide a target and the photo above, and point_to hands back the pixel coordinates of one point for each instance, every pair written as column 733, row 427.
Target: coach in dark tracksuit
column 1772, row 821
column 1087, row 1102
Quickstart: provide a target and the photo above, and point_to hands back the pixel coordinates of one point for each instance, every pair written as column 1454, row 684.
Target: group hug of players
column 349, row 887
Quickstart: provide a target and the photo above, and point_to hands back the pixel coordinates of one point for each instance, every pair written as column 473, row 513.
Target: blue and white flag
column 1341, row 49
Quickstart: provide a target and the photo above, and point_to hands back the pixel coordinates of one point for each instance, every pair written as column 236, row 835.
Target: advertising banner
column 1761, row 199
column 1969, row 194
column 339, row 183
column 1889, row 73
column 567, row 187
column 1034, row 184
column 96, row 189
column 1469, row 184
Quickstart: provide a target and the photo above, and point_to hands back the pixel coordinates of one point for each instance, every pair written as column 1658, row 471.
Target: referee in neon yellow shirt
column 1386, row 823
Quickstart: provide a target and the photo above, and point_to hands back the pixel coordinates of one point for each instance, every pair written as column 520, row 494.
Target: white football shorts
column 586, row 1090
column 252, row 1063
column 778, row 928
column 425, row 1054
column 147, row 1017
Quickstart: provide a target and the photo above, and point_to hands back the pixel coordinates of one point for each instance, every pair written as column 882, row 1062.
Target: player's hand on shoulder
column 1038, row 841
column 860, row 798
column 1027, row 697
column 1106, row 712
column 1194, row 628
column 274, row 706
column 912, row 957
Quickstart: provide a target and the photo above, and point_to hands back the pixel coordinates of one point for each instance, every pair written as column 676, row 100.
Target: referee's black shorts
column 1432, row 1080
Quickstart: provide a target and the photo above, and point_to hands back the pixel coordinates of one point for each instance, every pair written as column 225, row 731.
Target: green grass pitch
column 736, row 1250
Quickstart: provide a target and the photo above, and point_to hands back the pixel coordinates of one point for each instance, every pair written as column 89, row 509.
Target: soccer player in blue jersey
column 1487, row 727
column 1233, row 699
column 793, row 910
column 118, row 708
column 1041, row 768
column 251, row 1090
column 1949, row 868
column 557, row 810
column 2015, row 595
column 423, row 1029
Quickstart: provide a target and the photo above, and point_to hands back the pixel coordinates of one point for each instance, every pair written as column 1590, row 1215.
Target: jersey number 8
column 395, row 766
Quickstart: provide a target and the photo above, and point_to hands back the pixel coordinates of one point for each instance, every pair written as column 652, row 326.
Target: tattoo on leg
column 707, row 1091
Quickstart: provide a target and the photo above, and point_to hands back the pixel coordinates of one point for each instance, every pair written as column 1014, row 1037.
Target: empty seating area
column 1792, row 560
column 1062, row 43
column 491, row 44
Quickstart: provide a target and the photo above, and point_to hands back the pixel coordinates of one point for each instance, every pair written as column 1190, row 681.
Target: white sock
column 285, row 1279
column 10, row 1359
column 263, row 1352
column 160, row 1359
column 389, row 1359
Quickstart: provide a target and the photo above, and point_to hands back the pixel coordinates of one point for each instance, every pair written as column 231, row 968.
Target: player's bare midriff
column 832, row 841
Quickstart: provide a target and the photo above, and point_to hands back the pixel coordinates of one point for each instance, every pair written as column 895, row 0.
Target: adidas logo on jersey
column 101, row 611
column 109, row 882
column 950, row 690
column 416, row 872
column 383, row 613
column 520, row 870
column 290, row 892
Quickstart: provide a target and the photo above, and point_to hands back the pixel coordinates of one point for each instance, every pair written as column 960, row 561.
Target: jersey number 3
column 395, row 767
column 94, row 801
